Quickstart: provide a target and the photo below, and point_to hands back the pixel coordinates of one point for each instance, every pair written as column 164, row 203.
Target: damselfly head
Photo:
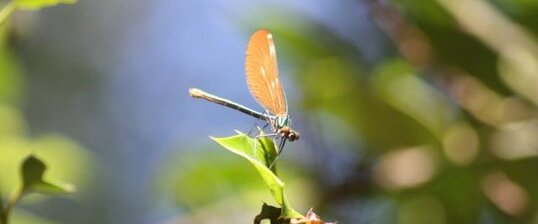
column 288, row 133
column 294, row 135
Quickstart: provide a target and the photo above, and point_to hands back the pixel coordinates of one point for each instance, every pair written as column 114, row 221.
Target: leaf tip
column 69, row 188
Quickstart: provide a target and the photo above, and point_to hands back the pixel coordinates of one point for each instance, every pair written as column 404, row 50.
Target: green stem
column 2, row 216
column 9, row 206
column 7, row 10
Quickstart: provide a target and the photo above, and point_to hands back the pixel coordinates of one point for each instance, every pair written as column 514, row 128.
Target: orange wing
column 262, row 73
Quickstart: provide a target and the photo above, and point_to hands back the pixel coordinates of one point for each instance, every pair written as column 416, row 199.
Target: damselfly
column 264, row 84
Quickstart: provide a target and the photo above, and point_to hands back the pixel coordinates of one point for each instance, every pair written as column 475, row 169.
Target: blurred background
column 410, row 111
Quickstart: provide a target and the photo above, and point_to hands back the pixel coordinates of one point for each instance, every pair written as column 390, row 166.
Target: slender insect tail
column 196, row 93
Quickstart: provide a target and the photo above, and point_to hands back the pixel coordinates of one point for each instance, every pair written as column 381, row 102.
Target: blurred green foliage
column 66, row 159
column 38, row 4
column 222, row 183
column 24, row 159
column 11, row 78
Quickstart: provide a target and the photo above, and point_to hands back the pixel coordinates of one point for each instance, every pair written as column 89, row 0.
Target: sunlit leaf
column 260, row 153
column 37, row 4
column 67, row 161
column 32, row 172
column 53, row 188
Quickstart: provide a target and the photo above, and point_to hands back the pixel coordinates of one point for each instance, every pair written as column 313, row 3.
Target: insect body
column 264, row 85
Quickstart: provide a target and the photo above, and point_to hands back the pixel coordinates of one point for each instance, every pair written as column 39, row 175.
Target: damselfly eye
column 294, row 135
column 288, row 133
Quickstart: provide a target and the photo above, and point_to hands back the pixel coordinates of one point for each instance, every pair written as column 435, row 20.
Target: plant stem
column 4, row 214
column 7, row 10
column 3, row 218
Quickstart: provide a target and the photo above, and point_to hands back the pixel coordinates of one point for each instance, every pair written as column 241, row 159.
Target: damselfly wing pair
column 266, row 87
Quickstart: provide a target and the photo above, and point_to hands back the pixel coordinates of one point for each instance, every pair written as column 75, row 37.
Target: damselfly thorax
column 282, row 127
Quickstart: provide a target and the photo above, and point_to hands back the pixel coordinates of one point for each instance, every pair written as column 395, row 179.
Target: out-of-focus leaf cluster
column 38, row 4
column 24, row 160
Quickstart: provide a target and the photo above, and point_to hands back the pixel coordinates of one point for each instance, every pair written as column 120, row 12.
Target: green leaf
column 32, row 172
column 268, row 212
column 53, row 188
column 38, row 4
column 32, row 178
column 65, row 159
column 261, row 153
